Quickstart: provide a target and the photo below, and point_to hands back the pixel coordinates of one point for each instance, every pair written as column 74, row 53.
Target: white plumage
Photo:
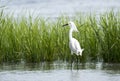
column 73, row 43
column 75, row 47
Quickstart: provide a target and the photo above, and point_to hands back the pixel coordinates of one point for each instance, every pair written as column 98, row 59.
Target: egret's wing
column 76, row 44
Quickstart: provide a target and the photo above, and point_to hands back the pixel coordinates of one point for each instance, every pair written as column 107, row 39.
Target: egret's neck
column 70, row 34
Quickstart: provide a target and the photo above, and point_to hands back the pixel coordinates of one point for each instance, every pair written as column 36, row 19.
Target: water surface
column 60, row 72
column 54, row 8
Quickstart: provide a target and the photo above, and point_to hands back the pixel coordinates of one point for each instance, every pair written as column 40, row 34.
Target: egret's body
column 75, row 47
column 73, row 43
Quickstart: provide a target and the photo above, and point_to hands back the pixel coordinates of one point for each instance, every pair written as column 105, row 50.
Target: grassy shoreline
column 37, row 40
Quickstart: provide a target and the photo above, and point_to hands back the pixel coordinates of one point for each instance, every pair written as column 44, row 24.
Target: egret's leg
column 71, row 58
column 77, row 60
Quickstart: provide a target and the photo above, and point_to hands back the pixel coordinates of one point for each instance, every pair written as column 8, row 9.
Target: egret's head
column 72, row 25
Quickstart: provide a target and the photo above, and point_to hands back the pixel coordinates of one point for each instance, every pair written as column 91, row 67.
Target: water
column 54, row 8
column 60, row 72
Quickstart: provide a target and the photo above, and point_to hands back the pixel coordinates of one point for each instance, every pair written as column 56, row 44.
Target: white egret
column 74, row 45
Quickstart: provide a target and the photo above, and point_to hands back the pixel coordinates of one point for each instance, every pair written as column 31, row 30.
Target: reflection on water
column 59, row 65
column 60, row 72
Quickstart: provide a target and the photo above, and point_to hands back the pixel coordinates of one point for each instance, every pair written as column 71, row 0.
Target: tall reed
column 110, row 24
column 35, row 40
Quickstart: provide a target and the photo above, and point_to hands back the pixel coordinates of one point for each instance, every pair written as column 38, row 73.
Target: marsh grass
column 35, row 40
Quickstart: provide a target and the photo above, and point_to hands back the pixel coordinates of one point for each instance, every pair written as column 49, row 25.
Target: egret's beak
column 64, row 25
